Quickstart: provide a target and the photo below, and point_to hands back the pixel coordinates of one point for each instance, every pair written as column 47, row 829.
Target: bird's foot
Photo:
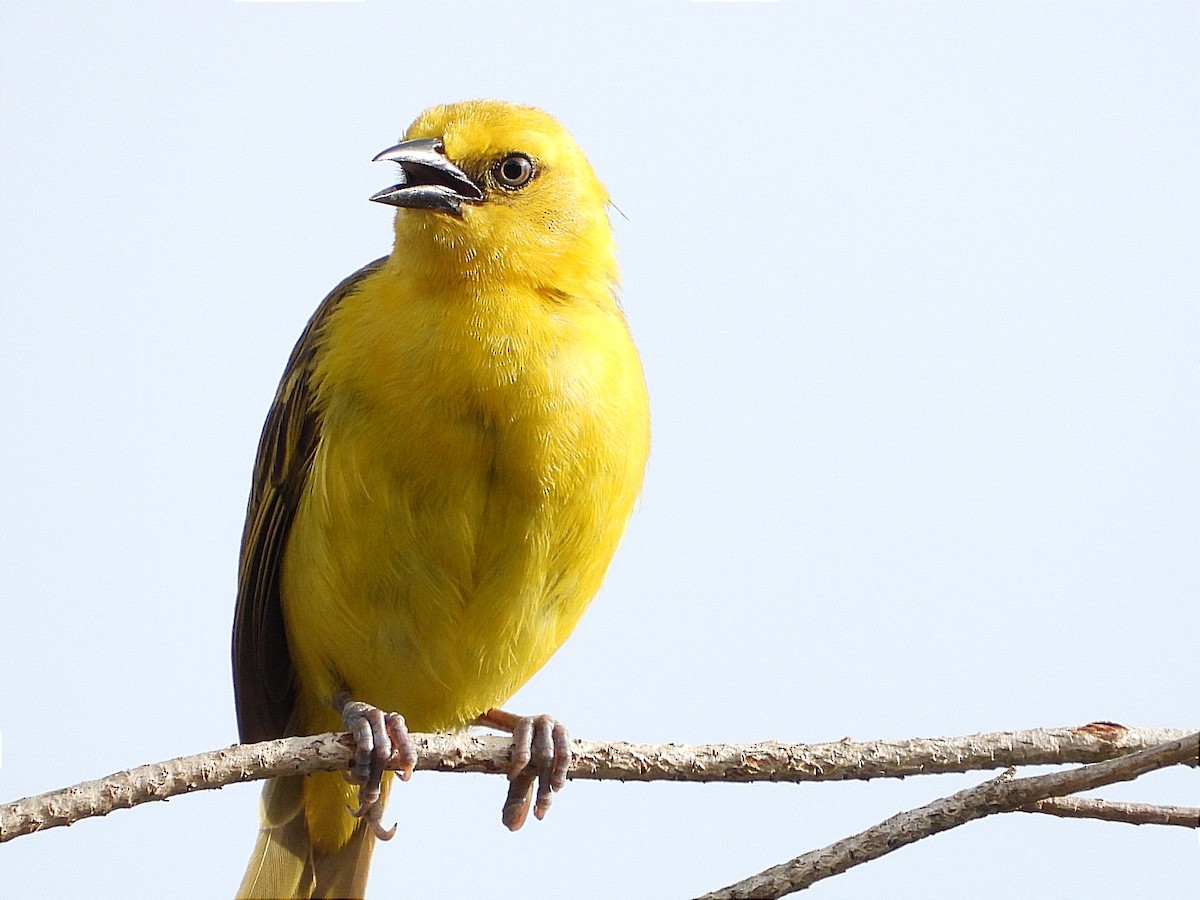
column 541, row 755
column 380, row 739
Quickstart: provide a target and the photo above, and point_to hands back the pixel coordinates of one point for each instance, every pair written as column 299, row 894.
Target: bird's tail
column 288, row 863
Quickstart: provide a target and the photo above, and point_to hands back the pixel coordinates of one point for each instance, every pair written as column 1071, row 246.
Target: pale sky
column 915, row 286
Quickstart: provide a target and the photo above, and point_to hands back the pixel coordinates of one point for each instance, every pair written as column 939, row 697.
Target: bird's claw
column 380, row 741
column 541, row 756
column 372, row 815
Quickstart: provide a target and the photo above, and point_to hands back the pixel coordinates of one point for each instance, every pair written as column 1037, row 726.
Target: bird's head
column 496, row 190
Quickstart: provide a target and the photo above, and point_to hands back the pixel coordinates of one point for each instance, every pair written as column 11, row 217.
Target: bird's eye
column 514, row 171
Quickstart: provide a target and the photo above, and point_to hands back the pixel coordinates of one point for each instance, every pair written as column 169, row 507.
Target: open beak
column 427, row 179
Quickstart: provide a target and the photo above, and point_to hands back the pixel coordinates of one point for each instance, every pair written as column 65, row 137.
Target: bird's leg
column 541, row 754
column 379, row 738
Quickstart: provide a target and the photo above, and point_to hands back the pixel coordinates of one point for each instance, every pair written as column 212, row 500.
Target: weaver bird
column 449, row 463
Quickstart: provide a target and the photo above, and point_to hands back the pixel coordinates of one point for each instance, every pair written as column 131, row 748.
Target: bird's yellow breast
column 480, row 453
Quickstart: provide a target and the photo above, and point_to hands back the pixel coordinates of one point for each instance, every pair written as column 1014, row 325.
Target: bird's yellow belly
column 432, row 571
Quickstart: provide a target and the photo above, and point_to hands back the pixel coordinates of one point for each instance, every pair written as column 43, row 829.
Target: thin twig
column 1116, row 811
column 1002, row 794
column 837, row 761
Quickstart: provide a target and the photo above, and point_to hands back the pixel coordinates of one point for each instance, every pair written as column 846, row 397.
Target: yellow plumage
column 452, row 457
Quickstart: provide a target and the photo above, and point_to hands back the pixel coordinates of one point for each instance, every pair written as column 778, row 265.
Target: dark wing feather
column 263, row 681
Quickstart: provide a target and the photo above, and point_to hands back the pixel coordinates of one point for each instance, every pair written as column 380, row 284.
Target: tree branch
column 1114, row 811
column 1003, row 794
column 837, row 761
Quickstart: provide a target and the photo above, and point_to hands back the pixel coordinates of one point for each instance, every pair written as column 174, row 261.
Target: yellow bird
column 446, row 471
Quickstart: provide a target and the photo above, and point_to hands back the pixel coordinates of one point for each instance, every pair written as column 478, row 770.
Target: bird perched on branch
column 449, row 463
